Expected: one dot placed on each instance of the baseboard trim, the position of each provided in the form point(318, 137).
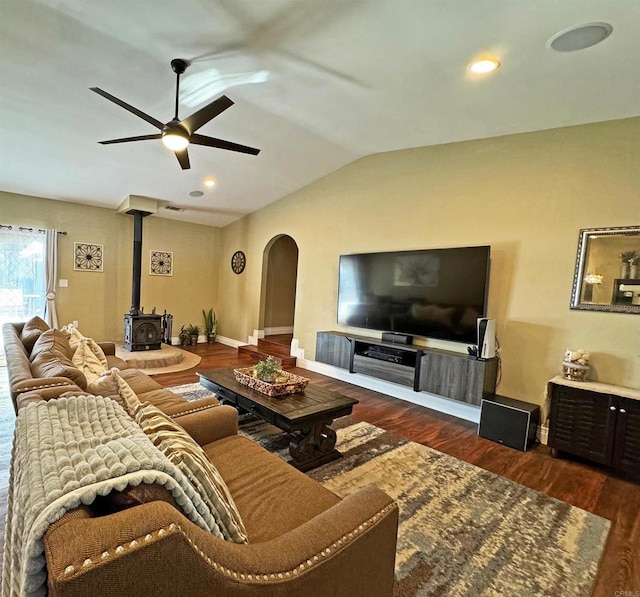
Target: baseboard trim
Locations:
point(542, 434)
point(229, 341)
point(467, 412)
point(296, 351)
point(257, 335)
point(288, 329)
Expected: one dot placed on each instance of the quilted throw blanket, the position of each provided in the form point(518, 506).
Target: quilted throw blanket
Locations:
point(65, 453)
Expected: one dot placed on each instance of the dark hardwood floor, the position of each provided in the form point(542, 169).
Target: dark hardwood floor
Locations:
point(578, 483)
point(581, 484)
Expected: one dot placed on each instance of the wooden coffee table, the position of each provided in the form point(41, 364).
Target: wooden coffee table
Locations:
point(306, 415)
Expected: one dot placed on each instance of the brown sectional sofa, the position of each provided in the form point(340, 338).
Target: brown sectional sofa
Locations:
point(51, 373)
point(303, 539)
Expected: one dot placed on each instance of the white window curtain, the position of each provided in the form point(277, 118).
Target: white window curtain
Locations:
point(51, 276)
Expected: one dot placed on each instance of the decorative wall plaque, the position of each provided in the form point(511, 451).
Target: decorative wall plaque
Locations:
point(238, 262)
point(161, 263)
point(88, 257)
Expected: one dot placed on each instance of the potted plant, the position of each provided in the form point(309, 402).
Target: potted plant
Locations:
point(183, 336)
point(194, 332)
point(267, 370)
point(210, 325)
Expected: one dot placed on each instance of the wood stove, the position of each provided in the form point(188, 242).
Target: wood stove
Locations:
point(141, 331)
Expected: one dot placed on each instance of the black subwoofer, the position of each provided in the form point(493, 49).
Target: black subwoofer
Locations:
point(508, 421)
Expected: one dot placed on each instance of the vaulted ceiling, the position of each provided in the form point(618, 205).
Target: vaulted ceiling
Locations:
point(316, 85)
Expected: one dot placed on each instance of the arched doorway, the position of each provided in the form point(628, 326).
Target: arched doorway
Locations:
point(279, 278)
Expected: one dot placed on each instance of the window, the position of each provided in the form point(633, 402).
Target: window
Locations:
point(22, 287)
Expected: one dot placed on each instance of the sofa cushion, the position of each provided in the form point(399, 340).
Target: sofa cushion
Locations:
point(31, 331)
point(258, 481)
point(171, 439)
point(140, 382)
point(50, 358)
point(168, 402)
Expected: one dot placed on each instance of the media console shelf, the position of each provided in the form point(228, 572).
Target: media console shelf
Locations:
point(443, 372)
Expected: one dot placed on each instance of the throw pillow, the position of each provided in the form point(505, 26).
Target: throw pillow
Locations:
point(31, 331)
point(87, 361)
point(172, 440)
point(73, 335)
point(111, 385)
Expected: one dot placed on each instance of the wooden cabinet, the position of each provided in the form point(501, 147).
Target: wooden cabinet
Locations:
point(597, 423)
point(626, 451)
point(445, 373)
point(333, 349)
point(457, 376)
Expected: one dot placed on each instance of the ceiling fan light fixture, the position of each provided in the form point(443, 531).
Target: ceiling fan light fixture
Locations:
point(175, 141)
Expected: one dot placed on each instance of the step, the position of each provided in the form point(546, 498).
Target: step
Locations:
point(274, 348)
point(259, 354)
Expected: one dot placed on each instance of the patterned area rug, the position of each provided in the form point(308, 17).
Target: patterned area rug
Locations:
point(463, 530)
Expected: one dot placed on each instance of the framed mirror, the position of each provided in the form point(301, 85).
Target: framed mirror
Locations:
point(607, 274)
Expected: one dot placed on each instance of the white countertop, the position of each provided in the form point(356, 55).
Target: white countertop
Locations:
point(594, 386)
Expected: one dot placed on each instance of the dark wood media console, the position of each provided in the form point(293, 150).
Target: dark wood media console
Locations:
point(443, 372)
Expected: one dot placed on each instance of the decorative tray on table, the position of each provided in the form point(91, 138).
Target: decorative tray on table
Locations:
point(285, 383)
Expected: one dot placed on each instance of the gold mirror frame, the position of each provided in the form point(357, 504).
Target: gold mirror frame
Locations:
point(606, 258)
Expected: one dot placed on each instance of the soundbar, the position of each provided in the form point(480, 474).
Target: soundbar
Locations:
point(396, 338)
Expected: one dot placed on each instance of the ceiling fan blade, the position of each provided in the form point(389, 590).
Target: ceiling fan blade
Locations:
point(222, 144)
point(183, 158)
point(127, 139)
point(209, 112)
point(119, 102)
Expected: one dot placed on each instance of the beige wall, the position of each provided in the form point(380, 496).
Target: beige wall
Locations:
point(526, 195)
point(99, 300)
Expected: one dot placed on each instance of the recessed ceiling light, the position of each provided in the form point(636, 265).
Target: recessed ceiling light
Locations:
point(486, 65)
point(196, 193)
point(209, 182)
point(580, 37)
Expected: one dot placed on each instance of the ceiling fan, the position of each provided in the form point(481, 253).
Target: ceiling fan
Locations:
point(177, 134)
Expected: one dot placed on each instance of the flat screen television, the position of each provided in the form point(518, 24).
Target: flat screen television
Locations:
point(435, 293)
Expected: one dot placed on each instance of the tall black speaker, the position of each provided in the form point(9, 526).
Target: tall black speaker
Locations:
point(508, 421)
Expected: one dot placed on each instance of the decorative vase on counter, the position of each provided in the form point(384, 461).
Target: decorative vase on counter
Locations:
point(575, 365)
point(575, 371)
point(633, 271)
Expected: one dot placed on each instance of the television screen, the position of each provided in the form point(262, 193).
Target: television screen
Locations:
point(435, 293)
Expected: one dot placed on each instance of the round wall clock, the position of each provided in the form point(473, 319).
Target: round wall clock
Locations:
point(238, 261)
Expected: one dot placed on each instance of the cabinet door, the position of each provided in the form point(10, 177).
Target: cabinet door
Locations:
point(626, 454)
point(333, 349)
point(583, 423)
point(455, 376)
